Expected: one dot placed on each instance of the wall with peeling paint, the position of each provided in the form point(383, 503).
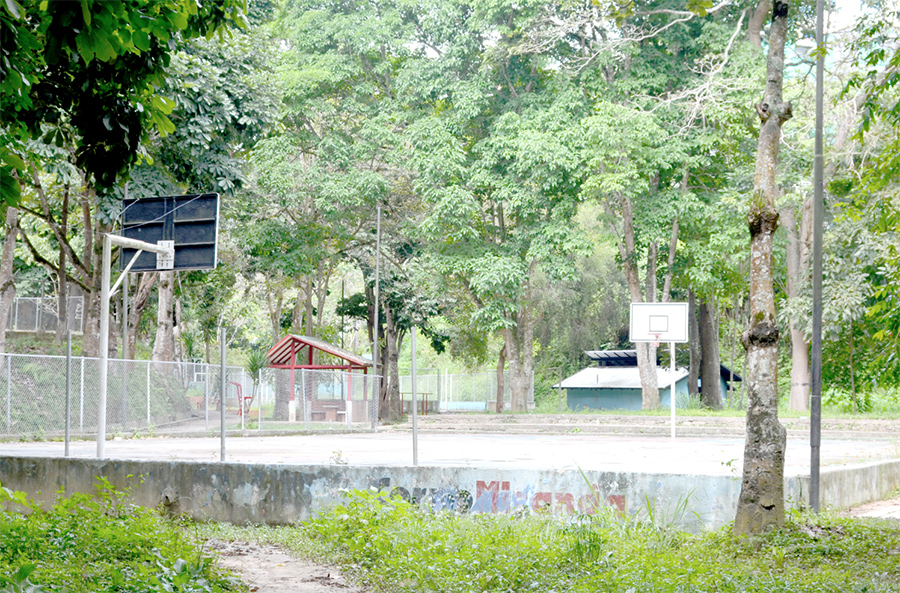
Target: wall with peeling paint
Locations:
point(278, 494)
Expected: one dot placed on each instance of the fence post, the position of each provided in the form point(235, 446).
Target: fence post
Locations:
point(8, 392)
point(348, 402)
point(124, 370)
point(206, 395)
point(81, 400)
point(68, 389)
point(222, 382)
point(303, 398)
point(148, 393)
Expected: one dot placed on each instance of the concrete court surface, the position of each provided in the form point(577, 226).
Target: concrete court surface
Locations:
point(688, 455)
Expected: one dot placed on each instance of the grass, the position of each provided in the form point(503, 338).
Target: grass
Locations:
point(391, 545)
point(86, 544)
point(101, 543)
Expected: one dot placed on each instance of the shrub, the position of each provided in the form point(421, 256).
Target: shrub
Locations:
point(87, 544)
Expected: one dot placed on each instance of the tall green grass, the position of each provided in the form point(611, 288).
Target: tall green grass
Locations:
point(87, 544)
point(390, 545)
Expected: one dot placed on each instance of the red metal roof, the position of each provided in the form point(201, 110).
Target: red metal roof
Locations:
point(284, 354)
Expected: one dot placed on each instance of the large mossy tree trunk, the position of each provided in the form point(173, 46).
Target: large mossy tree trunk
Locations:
point(761, 502)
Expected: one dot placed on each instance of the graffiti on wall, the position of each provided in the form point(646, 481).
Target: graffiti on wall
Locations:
point(497, 496)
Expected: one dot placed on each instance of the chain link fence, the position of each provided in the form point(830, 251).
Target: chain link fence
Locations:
point(313, 400)
point(169, 397)
point(40, 314)
point(466, 392)
point(141, 395)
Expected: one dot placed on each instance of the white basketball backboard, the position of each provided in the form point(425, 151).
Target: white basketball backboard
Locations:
point(658, 322)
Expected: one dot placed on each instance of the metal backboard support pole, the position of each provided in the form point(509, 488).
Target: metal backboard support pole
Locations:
point(223, 384)
point(414, 402)
point(68, 388)
point(672, 388)
point(815, 404)
point(105, 294)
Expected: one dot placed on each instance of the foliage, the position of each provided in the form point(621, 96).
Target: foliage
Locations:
point(87, 544)
point(391, 545)
point(877, 402)
point(98, 67)
point(878, 80)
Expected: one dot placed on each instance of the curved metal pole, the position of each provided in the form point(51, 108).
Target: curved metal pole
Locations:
point(105, 275)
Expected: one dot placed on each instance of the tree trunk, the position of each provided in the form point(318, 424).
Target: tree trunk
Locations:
point(283, 393)
point(761, 502)
point(178, 332)
point(501, 366)
point(757, 20)
point(710, 391)
point(694, 343)
point(91, 340)
point(62, 304)
point(670, 263)
point(90, 345)
point(391, 403)
point(7, 269)
point(797, 268)
point(138, 305)
point(518, 342)
point(646, 360)
point(274, 306)
point(853, 373)
point(164, 345)
point(734, 340)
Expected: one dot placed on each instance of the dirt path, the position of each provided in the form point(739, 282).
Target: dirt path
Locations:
point(267, 568)
point(880, 509)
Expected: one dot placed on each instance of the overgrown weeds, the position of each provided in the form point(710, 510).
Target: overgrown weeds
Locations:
point(88, 544)
point(390, 545)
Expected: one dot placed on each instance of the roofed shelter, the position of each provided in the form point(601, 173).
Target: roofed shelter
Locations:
point(295, 352)
point(615, 382)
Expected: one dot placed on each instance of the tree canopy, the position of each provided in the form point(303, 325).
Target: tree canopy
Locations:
point(89, 75)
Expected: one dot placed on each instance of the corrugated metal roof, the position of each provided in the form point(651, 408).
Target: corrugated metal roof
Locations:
point(616, 378)
point(613, 358)
point(280, 353)
point(610, 354)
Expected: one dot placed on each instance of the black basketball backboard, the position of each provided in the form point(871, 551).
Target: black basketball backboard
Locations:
point(191, 222)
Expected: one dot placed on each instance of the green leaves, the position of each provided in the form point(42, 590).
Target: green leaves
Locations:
point(88, 59)
point(83, 544)
point(14, 8)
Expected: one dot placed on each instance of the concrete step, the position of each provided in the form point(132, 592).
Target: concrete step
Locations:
point(639, 425)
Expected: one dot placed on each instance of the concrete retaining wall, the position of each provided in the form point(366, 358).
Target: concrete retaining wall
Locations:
point(280, 494)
